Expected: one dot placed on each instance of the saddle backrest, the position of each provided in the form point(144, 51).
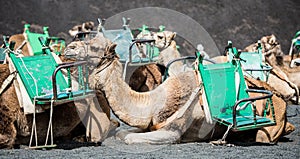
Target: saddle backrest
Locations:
point(123, 38)
point(33, 39)
point(224, 85)
point(252, 63)
point(226, 96)
point(36, 72)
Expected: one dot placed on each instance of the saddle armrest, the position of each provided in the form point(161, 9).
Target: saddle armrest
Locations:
point(269, 94)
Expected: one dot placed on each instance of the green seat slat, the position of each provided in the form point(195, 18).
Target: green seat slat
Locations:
point(64, 95)
point(245, 120)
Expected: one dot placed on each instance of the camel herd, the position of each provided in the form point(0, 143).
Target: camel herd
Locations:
point(160, 112)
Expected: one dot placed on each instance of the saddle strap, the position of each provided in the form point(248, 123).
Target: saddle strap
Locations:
point(8, 81)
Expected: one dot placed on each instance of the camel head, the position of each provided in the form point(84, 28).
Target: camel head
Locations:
point(271, 49)
point(164, 39)
point(89, 50)
point(108, 66)
point(84, 27)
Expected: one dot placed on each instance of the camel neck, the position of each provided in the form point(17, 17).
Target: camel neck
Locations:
point(132, 107)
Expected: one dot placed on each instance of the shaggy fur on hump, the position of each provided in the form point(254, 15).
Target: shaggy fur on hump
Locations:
point(12, 119)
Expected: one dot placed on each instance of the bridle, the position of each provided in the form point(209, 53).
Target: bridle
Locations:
point(106, 60)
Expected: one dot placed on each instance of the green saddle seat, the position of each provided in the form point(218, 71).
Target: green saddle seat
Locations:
point(227, 98)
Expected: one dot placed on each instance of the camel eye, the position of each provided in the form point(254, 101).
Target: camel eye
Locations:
point(72, 47)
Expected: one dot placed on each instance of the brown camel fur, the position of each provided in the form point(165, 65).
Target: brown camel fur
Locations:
point(13, 121)
point(84, 27)
point(282, 127)
point(149, 109)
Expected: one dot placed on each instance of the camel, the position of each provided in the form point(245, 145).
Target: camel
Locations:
point(283, 78)
point(171, 110)
point(277, 78)
point(65, 117)
point(148, 110)
point(172, 53)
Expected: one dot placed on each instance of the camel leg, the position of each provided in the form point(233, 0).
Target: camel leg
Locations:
point(96, 121)
point(123, 133)
point(154, 137)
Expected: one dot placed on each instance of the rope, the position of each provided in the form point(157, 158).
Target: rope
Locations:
point(50, 124)
point(226, 133)
point(33, 128)
point(7, 81)
point(222, 141)
point(22, 45)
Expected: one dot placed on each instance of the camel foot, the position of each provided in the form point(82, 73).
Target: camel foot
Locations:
point(288, 129)
point(221, 143)
point(154, 137)
point(123, 133)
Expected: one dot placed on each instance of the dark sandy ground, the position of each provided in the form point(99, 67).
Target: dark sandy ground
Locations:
point(288, 147)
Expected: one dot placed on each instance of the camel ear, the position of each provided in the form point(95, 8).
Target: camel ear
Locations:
point(110, 49)
point(173, 35)
point(272, 39)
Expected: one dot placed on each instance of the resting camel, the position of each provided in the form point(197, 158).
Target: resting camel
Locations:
point(15, 126)
point(282, 78)
point(171, 110)
point(282, 125)
point(278, 79)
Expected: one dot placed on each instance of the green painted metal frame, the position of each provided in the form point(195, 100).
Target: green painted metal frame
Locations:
point(2, 55)
point(225, 90)
point(5, 48)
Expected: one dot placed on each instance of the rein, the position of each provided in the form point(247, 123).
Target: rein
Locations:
point(107, 59)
